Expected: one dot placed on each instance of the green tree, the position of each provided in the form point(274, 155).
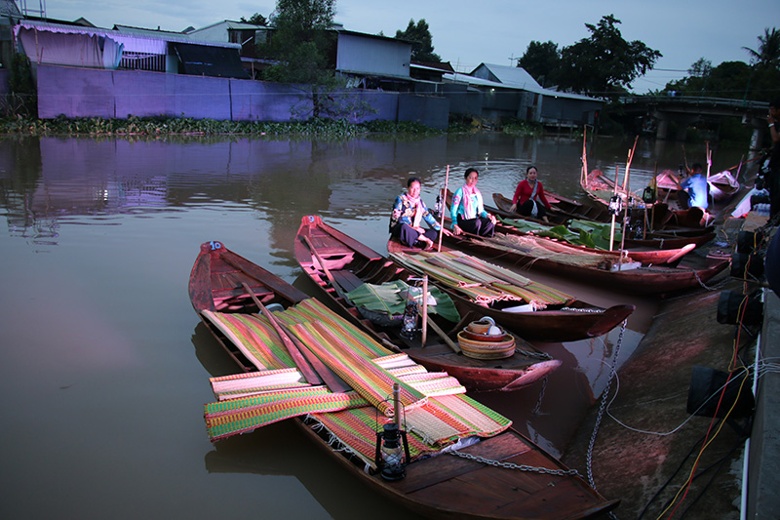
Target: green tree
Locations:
point(301, 43)
point(422, 41)
point(542, 61)
point(605, 64)
point(768, 53)
point(255, 19)
point(701, 68)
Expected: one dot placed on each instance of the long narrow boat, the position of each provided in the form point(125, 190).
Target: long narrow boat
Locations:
point(324, 252)
point(661, 219)
point(666, 238)
point(639, 253)
point(603, 269)
point(489, 471)
point(562, 209)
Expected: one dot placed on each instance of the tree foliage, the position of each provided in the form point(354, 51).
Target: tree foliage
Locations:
point(301, 42)
point(255, 19)
point(759, 81)
point(542, 61)
point(603, 64)
point(768, 53)
point(422, 41)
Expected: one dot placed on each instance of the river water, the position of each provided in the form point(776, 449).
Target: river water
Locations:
point(103, 364)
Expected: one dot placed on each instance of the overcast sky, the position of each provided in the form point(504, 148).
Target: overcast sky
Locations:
point(467, 33)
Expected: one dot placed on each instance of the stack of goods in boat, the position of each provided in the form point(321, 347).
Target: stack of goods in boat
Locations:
point(484, 340)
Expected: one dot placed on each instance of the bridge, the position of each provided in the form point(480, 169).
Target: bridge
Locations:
point(660, 111)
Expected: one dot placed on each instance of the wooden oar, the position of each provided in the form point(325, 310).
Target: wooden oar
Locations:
point(327, 272)
point(306, 369)
point(443, 335)
point(312, 368)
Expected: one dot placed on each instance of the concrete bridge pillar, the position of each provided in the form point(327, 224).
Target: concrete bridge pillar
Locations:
point(662, 131)
point(757, 136)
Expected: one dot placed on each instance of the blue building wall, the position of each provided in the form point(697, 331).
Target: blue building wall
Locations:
point(80, 92)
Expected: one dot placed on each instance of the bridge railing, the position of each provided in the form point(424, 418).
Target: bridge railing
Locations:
point(669, 99)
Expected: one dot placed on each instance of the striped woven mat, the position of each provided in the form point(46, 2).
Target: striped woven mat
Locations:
point(436, 411)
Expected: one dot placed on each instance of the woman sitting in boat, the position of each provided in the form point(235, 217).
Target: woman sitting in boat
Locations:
point(468, 209)
point(409, 212)
point(529, 199)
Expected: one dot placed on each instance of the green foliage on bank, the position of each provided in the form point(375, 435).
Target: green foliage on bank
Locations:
point(157, 126)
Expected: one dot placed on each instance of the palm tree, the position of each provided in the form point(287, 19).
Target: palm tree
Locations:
point(768, 53)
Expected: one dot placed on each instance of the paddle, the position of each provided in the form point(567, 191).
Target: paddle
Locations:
point(424, 303)
point(312, 368)
point(325, 269)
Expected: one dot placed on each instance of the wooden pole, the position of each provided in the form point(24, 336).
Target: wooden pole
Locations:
point(424, 309)
point(443, 209)
point(612, 225)
point(626, 190)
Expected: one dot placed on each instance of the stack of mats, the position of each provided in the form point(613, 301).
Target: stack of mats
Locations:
point(480, 281)
point(436, 410)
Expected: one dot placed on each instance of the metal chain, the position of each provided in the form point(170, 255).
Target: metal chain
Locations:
point(519, 467)
point(589, 310)
point(603, 407)
point(534, 355)
point(537, 409)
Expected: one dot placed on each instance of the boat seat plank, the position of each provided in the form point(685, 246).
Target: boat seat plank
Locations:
point(347, 280)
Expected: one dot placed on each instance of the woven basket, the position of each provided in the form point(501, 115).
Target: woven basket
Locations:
point(499, 347)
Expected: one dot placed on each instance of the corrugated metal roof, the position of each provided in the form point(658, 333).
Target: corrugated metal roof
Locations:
point(515, 78)
point(125, 32)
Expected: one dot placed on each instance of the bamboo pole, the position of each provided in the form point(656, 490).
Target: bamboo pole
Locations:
point(626, 190)
point(443, 208)
point(612, 225)
point(424, 310)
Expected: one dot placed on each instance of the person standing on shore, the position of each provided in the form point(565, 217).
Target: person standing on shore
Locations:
point(694, 189)
point(529, 199)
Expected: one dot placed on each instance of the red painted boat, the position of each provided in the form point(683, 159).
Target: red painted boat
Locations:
point(529, 252)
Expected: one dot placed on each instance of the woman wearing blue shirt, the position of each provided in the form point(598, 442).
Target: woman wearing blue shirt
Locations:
point(468, 209)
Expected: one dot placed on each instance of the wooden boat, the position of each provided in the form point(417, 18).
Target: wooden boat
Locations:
point(562, 209)
point(600, 268)
point(569, 319)
point(441, 350)
point(723, 186)
point(662, 220)
point(491, 472)
point(643, 254)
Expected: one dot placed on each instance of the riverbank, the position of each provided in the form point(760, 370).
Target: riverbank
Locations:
point(648, 444)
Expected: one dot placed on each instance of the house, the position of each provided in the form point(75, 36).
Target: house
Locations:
point(244, 34)
point(126, 48)
point(500, 92)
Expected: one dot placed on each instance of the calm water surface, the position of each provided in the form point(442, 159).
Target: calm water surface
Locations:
point(103, 364)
